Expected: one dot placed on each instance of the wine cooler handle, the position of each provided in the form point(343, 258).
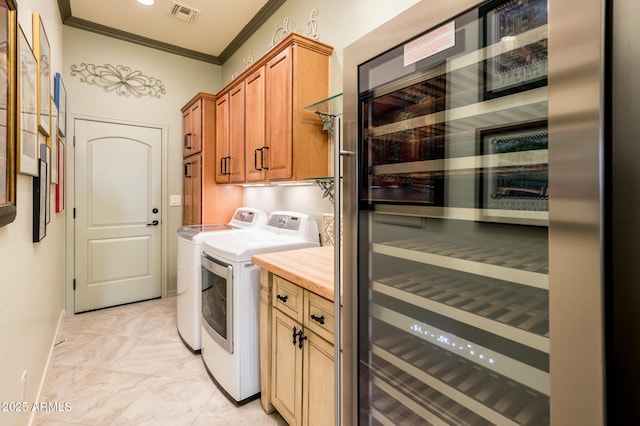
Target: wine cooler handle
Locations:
point(338, 152)
point(282, 298)
point(319, 319)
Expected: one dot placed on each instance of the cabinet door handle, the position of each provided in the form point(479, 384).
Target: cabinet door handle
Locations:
point(222, 166)
point(262, 161)
point(295, 334)
point(319, 319)
point(255, 158)
point(186, 171)
point(187, 139)
point(301, 338)
point(282, 298)
point(226, 165)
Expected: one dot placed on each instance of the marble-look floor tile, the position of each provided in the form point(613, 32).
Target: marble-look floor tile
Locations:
point(168, 401)
point(221, 412)
point(94, 396)
point(158, 358)
point(127, 365)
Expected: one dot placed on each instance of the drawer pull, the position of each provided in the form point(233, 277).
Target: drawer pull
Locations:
point(282, 298)
point(319, 319)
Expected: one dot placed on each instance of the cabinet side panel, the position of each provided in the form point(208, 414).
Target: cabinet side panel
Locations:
point(310, 142)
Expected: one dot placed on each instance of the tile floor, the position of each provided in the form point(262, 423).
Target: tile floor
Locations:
point(127, 366)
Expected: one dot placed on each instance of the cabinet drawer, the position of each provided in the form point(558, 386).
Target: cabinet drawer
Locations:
point(319, 316)
point(288, 298)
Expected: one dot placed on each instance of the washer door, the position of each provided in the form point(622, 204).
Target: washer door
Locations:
point(217, 301)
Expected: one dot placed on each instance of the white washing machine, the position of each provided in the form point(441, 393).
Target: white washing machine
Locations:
point(189, 269)
point(231, 298)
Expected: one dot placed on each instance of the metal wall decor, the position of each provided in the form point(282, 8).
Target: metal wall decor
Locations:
point(247, 62)
point(119, 79)
point(287, 28)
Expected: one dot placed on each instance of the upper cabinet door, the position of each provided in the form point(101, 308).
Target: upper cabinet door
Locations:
point(234, 163)
point(278, 154)
point(255, 126)
point(192, 130)
point(222, 137)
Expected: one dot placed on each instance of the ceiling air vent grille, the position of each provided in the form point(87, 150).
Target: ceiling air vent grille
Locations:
point(183, 12)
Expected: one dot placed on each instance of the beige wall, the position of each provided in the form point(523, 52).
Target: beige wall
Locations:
point(31, 275)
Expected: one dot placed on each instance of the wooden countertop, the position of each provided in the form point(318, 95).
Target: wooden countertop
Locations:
point(310, 268)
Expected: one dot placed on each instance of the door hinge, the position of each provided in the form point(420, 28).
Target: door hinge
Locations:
point(74, 212)
point(74, 284)
point(74, 141)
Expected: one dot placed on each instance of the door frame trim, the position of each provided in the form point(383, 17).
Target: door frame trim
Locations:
point(69, 301)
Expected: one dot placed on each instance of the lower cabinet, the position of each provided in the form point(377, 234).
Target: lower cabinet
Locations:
point(302, 355)
point(318, 378)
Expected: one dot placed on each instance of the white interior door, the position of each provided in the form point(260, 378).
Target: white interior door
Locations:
point(118, 214)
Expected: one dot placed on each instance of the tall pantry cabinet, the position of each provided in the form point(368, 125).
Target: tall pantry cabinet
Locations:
point(203, 200)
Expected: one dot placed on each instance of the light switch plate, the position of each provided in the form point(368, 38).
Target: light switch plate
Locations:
point(175, 200)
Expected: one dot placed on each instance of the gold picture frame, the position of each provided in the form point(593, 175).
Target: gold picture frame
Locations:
point(8, 106)
point(27, 137)
point(42, 52)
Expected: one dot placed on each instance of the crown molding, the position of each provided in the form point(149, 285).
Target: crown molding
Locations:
point(254, 25)
point(256, 22)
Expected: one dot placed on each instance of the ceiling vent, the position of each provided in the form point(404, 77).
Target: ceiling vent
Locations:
point(183, 12)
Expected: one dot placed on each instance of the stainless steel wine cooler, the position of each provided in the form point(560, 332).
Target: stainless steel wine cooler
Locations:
point(473, 216)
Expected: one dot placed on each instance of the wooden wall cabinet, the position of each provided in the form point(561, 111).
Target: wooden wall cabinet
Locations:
point(203, 200)
point(302, 355)
point(191, 190)
point(192, 128)
point(281, 139)
point(255, 128)
point(230, 135)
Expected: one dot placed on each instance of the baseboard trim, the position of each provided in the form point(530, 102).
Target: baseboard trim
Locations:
point(47, 367)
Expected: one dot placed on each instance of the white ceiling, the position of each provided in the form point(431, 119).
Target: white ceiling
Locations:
point(219, 29)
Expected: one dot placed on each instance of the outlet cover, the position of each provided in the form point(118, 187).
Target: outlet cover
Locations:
point(175, 200)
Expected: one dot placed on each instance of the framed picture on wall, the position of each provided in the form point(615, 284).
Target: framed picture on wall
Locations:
point(8, 107)
point(60, 99)
point(40, 186)
point(42, 51)
point(45, 154)
point(516, 46)
point(514, 183)
point(52, 141)
point(27, 109)
point(61, 177)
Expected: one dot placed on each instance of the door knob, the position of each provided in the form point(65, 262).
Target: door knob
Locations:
point(153, 223)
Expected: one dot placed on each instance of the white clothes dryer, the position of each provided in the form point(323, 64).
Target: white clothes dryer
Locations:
point(189, 284)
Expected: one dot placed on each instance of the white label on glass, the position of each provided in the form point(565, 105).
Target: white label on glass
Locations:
point(431, 43)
